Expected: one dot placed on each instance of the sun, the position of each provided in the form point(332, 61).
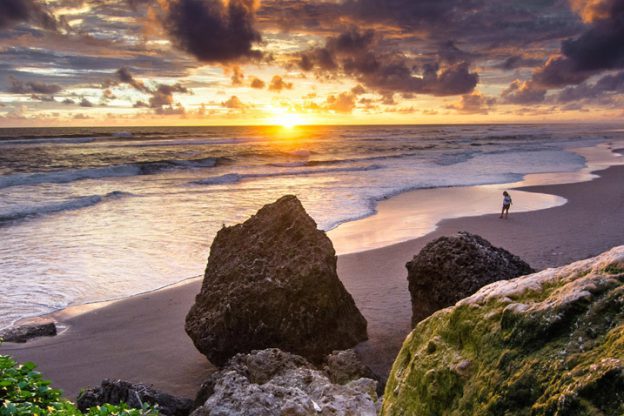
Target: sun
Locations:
point(288, 120)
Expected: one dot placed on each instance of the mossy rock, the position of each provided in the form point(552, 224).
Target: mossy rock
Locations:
point(550, 343)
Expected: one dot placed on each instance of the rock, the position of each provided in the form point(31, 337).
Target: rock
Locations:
point(272, 382)
point(24, 333)
point(272, 282)
point(134, 395)
point(550, 343)
point(344, 366)
point(451, 268)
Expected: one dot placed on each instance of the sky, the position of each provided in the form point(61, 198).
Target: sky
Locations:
point(248, 62)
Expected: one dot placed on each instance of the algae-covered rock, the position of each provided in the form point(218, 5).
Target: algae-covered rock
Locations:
point(450, 268)
point(550, 343)
point(271, 282)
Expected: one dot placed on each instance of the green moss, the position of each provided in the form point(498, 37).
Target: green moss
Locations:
point(564, 360)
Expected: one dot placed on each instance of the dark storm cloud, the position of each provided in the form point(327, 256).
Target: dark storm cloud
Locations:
point(599, 48)
point(357, 53)
point(18, 87)
point(213, 30)
point(16, 11)
point(602, 45)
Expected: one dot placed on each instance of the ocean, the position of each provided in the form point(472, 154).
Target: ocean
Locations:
point(94, 214)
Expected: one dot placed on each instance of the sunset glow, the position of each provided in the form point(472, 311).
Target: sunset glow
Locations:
point(287, 62)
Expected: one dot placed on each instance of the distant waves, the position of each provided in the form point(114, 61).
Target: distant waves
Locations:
point(25, 212)
point(115, 171)
point(237, 177)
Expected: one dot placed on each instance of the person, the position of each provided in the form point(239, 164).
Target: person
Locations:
point(506, 204)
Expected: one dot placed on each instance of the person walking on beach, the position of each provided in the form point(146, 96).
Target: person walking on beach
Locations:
point(506, 204)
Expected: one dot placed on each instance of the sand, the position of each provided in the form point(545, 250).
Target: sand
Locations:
point(142, 338)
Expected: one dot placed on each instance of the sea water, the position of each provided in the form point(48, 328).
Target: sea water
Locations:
point(96, 214)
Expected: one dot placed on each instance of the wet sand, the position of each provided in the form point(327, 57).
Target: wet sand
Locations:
point(142, 338)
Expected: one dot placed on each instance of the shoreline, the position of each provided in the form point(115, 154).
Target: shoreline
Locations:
point(389, 216)
point(141, 338)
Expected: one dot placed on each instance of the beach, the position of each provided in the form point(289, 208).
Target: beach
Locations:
point(142, 338)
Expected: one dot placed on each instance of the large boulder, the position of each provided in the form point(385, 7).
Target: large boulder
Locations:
point(272, 282)
point(276, 383)
point(451, 268)
point(550, 343)
point(134, 395)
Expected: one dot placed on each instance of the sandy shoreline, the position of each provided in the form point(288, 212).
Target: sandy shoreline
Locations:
point(142, 338)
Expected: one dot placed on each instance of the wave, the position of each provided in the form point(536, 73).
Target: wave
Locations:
point(47, 140)
point(115, 171)
point(69, 205)
point(238, 177)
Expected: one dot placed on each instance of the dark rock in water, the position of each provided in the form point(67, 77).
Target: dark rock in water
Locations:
point(451, 268)
point(134, 395)
point(26, 332)
point(276, 383)
point(272, 282)
point(549, 343)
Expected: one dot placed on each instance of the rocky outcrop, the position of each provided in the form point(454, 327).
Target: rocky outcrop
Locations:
point(24, 333)
point(451, 268)
point(134, 395)
point(272, 282)
point(343, 366)
point(272, 382)
point(550, 343)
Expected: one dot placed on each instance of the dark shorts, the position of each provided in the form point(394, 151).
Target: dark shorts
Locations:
point(506, 206)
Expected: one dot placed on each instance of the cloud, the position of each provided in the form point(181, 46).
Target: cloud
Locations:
point(278, 84)
point(161, 99)
point(519, 61)
point(599, 48)
point(126, 77)
point(523, 92)
point(213, 30)
point(608, 84)
point(358, 90)
point(86, 103)
point(18, 87)
point(475, 103)
point(343, 103)
point(237, 76)
point(16, 11)
point(234, 103)
point(257, 83)
point(356, 54)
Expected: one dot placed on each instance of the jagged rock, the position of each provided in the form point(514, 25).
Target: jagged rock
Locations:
point(26, 332)
point(272, 382)
point(550, 343)
point(272, 282)
point(344, 366)
point(135, 395)
point(451, 268)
